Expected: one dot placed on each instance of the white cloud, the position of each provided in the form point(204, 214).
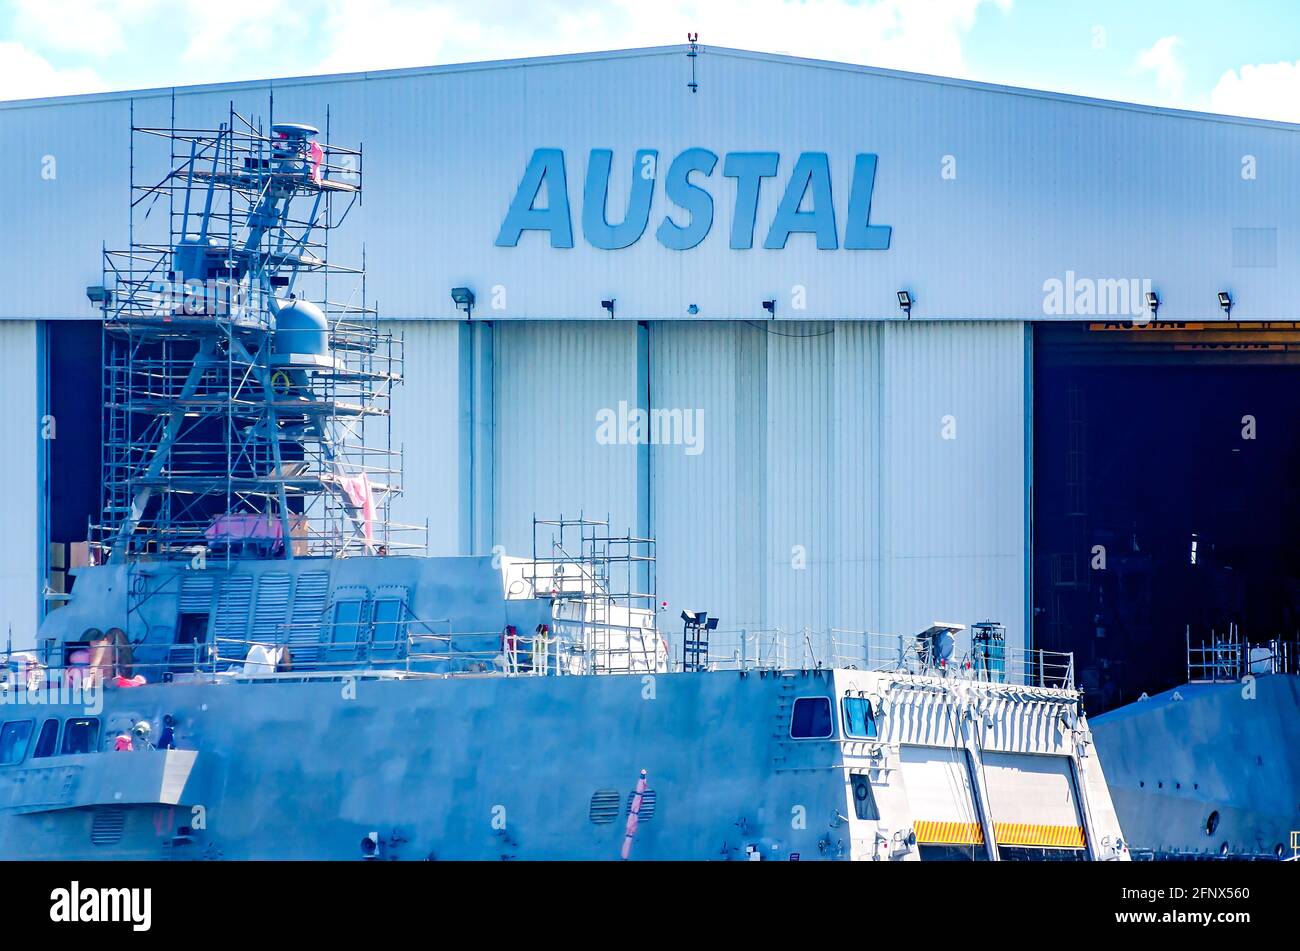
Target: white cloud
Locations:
point(1263, 91)
point(919, 35)
point(1161, 58)
point(189, 41)
point(361, 35)
point(27, 75)
point(80, 26)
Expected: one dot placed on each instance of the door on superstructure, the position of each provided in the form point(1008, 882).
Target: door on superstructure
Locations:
point(941, 796)
point(347, 635)
point(1035, 807)
point(388, 618)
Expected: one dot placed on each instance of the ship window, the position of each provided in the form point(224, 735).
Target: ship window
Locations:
point(13, 741)
point(864, 803)
point(48, 741)
point(81, 736)
point(811, 718)
point(859, 718)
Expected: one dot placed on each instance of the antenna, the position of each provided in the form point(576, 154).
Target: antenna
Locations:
point(692, 54)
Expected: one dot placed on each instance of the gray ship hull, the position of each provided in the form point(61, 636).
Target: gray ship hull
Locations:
point(1208, 770)
point(494, 768)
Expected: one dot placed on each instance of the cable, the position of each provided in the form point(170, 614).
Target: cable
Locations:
point(777, 333)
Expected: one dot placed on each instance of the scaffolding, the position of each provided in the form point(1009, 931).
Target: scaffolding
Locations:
point(605, 589)
point(247, 381)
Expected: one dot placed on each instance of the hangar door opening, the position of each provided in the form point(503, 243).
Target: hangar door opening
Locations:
point(1166, 458)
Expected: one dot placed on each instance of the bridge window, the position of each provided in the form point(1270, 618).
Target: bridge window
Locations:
point(48, 742)
point(811, 718)
point(859, 718)
point(81, 736)
point(13, 741)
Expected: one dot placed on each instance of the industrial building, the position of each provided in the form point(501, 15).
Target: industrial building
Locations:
point(860, 349)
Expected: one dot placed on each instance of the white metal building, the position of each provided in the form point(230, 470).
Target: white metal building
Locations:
point(852, 466)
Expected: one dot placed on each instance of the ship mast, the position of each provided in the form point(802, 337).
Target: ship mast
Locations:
point(245, 410)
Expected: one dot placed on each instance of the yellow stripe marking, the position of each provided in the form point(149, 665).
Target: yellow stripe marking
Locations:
point(929, 832)
point(1041, 836)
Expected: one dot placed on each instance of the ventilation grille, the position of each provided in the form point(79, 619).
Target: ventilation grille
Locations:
point(231, 619)
point(196, 594)
point(106, 829)
point(647, 804)
point(604, 806)
point(309, 599)
point(272, 608)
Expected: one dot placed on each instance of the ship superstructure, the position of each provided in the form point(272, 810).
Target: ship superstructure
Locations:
point(249, 669)
point(245, 375)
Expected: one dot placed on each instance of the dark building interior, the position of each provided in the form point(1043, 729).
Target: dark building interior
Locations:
point(1165, 461)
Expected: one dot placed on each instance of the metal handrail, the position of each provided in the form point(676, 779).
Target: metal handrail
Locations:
point(423, 647)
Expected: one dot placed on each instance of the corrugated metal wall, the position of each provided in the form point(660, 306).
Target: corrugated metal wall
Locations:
point(861, 476)
point(21, 560)
point(426, 428)
point(551, 381)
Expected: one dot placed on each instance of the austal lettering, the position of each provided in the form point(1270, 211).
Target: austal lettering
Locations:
point(806, 205)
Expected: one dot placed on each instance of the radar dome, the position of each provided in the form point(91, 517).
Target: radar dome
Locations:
point(300, 327)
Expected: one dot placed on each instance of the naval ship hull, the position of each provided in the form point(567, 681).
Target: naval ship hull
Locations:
point(490, 767)
point(1209, 770)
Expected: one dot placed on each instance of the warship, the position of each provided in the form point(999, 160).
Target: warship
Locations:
point(257, 661)
point(1208, 770)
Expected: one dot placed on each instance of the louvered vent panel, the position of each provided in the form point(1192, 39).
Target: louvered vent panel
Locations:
point(196, 593)
point(231, 618)
point(309, 599)
point(106, 828)
point(604, 806)
point(272, 608)
point(647, 804)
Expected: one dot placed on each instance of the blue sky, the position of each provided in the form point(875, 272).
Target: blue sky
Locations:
point(1240, 57)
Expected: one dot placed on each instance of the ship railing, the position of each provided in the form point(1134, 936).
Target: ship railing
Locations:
point(539, 654)
point(1227, 657)
point(423, 647)
point(983, 662)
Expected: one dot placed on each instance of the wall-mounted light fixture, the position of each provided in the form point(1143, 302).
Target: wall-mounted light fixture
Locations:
point(1225, 302)
point(770, 307)
point(1153, 304)
point(905, 302)
point(464, 300)
point(608, 305)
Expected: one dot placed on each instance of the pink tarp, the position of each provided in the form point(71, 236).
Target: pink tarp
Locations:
point(244, 526)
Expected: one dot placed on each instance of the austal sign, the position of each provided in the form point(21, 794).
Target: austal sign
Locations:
point(810, 180)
